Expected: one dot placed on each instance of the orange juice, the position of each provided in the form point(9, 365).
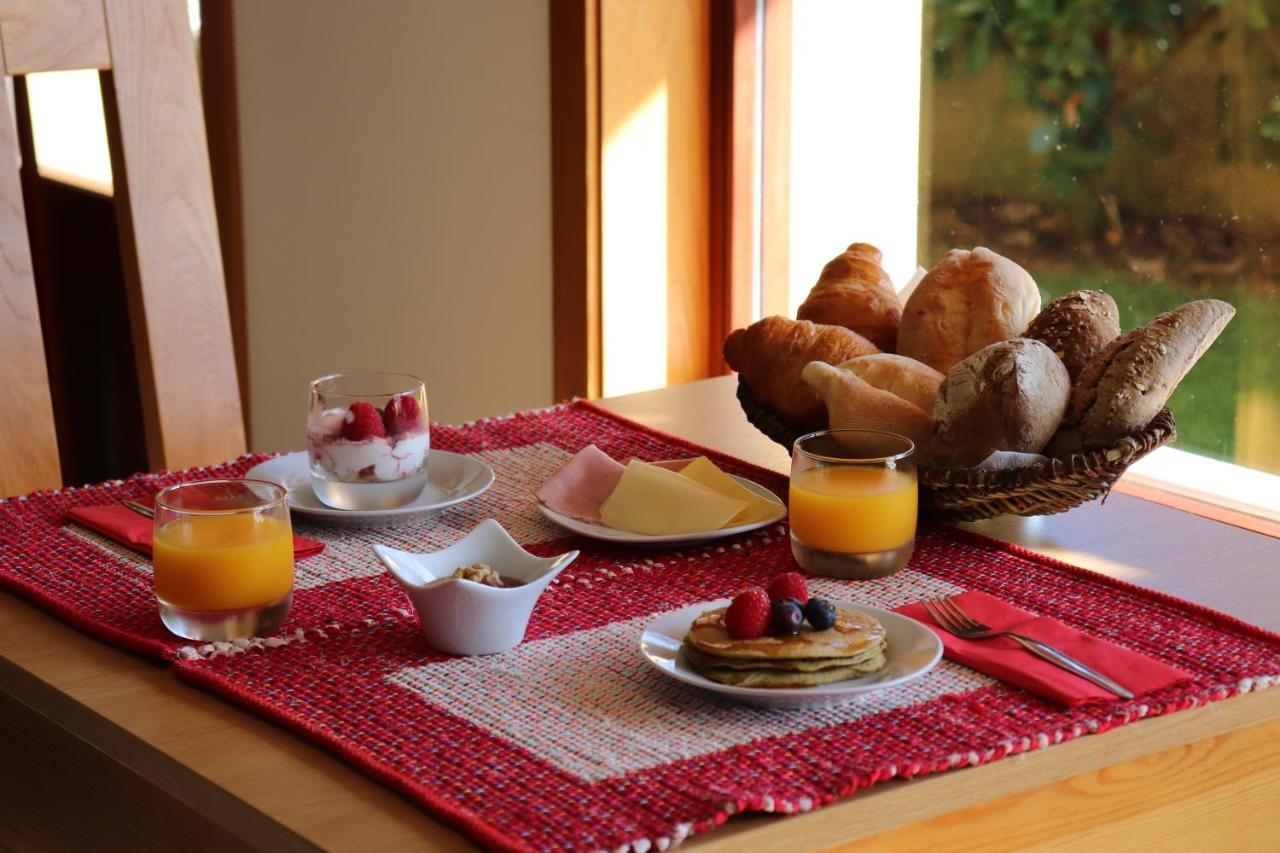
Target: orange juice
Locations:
point(223, 562)
point(853, 509)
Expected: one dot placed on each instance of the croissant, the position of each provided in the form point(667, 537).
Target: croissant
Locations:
point(855, 292)
point(770, 353)
point(853, 403)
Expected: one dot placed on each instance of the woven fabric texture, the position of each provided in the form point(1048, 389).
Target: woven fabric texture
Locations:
point(570, 741)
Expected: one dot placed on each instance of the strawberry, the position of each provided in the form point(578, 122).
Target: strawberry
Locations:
point(748, 615)
point(363, 421)
point(402, 415)
point(789, 585)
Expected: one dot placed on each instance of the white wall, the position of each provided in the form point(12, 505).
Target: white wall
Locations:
point(397, 201)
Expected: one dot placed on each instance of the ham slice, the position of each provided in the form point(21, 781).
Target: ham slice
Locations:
point(581, 486)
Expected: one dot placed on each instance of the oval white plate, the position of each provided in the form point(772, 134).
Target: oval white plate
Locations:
point(624, 537)
point(913, 650)
point(451, 479)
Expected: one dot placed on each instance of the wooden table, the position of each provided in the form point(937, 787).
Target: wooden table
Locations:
point(99, 748)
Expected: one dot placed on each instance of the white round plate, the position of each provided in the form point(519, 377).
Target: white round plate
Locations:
point(623, 537)
point(451, 479)
point(913, 650)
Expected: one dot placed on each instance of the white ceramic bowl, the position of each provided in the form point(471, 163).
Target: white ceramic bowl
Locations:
point(462, 617)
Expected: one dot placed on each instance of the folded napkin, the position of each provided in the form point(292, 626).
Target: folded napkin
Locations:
point(133, 530)
point(1004, 659)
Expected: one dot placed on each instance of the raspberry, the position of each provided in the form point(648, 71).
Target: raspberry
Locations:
point(363, 421)
point(748, 615)
point(789, 585)
point(402, 415)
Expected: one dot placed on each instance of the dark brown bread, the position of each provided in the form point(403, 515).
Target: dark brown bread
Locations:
point(1077, 326)
point(770, 353)
point(1126, 384)
point(1009, 395)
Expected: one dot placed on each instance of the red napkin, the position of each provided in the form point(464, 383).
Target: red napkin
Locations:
point(1004, 659)
point(133, 530)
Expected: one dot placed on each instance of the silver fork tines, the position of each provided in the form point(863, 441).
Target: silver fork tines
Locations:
point(952, 618)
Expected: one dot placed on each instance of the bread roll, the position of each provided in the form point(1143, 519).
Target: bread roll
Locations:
point(854, 404)
point(969, 300)
point(1126, 384)
point(1009, 395)
point(1077, 326)
point(854, 291)
point(770, 353)
point(913, 381)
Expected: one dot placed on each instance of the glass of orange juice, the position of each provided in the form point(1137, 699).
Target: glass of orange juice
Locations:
point(853, 503)
point(223, 558)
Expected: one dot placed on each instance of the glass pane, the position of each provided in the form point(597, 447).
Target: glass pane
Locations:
point(1128, 147)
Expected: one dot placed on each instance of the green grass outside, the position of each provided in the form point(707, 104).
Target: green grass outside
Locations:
point(1245, 359)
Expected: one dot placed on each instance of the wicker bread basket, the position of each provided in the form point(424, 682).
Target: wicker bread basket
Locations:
point(970, 494)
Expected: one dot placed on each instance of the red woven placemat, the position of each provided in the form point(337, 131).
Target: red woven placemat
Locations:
point(571, 741)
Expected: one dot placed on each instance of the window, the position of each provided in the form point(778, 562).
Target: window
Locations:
point(1133, 148)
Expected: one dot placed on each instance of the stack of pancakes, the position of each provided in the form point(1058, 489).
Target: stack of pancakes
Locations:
point(853, 647)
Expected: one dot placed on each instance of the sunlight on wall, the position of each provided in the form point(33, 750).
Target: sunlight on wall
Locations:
point(634, 248)
point(855, 134)
point(69, 130)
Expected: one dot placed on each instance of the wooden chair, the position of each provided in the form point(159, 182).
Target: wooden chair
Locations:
point(168, 232)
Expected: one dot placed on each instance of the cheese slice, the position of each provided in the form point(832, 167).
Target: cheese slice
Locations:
point(658, 502)
point(703, 470)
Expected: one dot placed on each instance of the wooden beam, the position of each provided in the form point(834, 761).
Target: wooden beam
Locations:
point(222, 129)
point(169, 236)
point(575, 189)
point(52, 35)
point(734, 177)
point(775, 228)
point(28, 447)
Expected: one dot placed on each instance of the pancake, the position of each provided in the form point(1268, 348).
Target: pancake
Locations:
point(777, 678)
point(702, 660)
point(853, 634)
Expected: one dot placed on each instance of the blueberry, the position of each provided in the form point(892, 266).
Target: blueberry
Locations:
point(820, 613)
point(787, 617)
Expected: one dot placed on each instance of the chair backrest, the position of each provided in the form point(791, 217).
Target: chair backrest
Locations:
point(168, 233)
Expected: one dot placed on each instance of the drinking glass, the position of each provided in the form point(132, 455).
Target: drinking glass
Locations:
point(367, 440)
point(223, 558)
point(853, 503)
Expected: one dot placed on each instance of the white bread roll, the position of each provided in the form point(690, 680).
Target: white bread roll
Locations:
point(1006, 396)
point(854, 404)
point(969, 300)
point(913, 381)
point(1127, 384)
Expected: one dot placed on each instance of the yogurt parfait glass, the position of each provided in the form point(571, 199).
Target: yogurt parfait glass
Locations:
point(367, 439)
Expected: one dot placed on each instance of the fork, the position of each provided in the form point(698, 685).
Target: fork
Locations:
point(948, 614)
point(140, 509)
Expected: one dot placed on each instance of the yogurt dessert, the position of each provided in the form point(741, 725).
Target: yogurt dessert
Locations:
point(368, 439)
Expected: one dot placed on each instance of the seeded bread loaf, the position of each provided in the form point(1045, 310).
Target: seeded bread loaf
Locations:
point(1126, 384)
point(1009, 395)
point(1077, 326)
point(969, 300)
